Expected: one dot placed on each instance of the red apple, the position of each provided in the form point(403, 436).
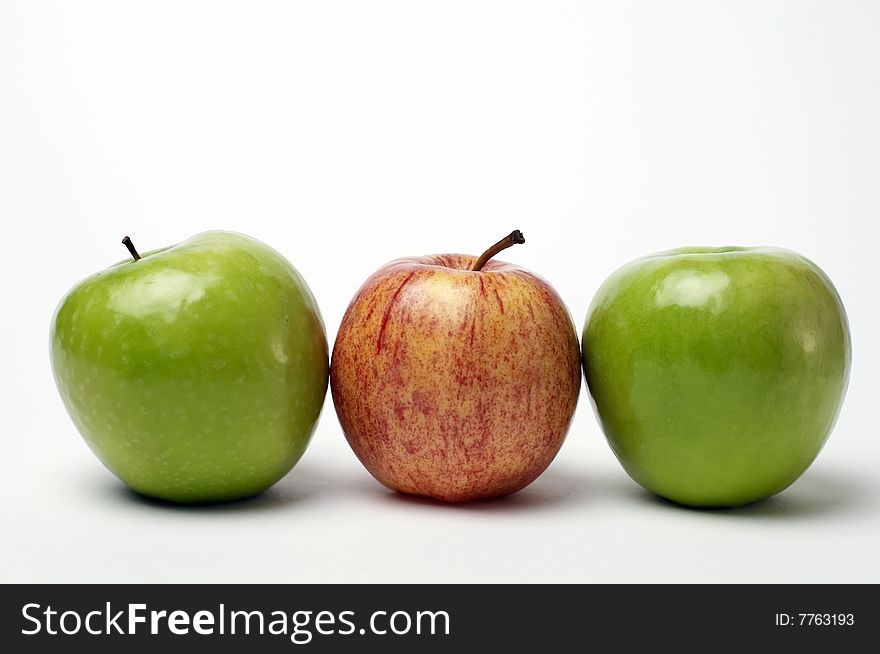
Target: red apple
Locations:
point(456, 377)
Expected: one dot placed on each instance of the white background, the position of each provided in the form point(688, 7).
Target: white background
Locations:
point(346, 134)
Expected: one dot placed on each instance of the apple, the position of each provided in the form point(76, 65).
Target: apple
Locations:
point(717, 373)
point(196, 373)
point(456, 377)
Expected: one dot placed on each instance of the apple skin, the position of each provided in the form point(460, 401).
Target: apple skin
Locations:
point(454, 384)
point(717, 373)
point(196, 374)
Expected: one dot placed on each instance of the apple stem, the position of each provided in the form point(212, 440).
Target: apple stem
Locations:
point(514, 238)
point(134, 253)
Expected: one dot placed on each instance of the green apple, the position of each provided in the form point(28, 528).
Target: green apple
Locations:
point(717, 373)
point(196, 373)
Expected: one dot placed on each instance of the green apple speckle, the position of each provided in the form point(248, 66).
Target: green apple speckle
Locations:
point(197, 373)
point(717, 374)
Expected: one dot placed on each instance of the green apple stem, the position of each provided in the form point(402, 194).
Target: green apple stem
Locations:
point(134, 253)
point(514, 238)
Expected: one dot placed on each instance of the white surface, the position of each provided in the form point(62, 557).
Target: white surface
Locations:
point(346, 134)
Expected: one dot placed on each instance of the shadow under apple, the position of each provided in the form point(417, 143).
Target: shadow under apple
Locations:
point(818, 493)
point(299, 484)
point(558, 486)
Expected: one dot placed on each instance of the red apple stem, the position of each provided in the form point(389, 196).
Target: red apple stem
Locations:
point(134, 253)
point(514, 238)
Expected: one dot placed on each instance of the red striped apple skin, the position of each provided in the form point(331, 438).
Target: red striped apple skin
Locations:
point(455, 384)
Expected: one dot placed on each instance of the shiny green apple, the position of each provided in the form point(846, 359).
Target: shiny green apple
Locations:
point(196, 373)
point(717, 373)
